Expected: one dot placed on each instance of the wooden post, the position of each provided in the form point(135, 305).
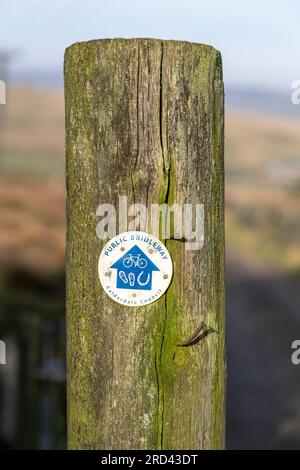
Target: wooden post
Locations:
point(144, 118)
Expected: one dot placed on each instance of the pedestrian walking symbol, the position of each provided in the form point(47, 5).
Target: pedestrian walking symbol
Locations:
point(134, 270)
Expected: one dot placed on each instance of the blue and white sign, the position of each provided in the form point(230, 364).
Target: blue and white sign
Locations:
point(135, 268)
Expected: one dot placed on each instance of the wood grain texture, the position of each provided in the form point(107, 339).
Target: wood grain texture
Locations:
point(144, 118)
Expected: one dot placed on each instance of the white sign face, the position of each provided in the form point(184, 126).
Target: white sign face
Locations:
point(135, 268)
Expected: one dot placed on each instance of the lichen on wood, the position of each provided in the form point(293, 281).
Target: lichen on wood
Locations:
point(144, 118)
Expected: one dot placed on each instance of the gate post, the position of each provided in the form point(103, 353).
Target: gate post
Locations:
point(144, 119)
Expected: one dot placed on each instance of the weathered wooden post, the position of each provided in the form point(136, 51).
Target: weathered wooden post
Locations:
point(144, 118)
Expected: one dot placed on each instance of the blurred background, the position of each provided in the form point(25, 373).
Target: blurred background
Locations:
point(260, 45)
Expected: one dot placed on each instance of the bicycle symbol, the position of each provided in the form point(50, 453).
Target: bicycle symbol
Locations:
point(134, 260)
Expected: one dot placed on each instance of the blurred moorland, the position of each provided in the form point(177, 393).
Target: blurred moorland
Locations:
point(263, 266)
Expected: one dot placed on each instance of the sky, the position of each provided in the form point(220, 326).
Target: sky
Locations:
point(259, 40)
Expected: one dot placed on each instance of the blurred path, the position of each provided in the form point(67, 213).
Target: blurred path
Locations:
point(263, 394)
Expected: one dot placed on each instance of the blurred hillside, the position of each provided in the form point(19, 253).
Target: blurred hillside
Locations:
point(262, 183)
point(32, 181)
point(263, 262)
point(263, 187)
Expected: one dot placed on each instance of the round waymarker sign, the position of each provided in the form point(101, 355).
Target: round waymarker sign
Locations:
point(135, 268)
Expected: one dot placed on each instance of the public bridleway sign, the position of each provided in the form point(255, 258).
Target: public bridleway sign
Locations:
point(135, 268)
